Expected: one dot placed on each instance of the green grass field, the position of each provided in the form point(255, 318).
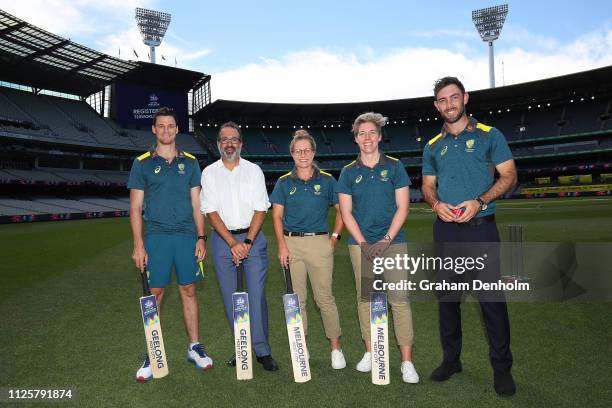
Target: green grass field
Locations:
point(70, 318)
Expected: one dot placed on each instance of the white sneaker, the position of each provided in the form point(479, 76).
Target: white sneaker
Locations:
point(365, 365)
point(337, 359)
point(197, 355)
point(409, 374)
point(144, 373)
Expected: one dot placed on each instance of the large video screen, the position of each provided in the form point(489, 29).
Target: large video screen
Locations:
point(135, 105)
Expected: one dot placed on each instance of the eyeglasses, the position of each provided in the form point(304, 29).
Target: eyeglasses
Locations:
point(371, 133)
point(305, 152)
point(232, 140)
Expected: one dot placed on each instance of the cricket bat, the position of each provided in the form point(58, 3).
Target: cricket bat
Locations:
point(379, 338)
point(242, 328)
point(153, 331)
point(295, 331)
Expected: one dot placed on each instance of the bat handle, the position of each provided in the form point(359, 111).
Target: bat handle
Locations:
point(145, 283)
point(288, 278)
point(240, 277)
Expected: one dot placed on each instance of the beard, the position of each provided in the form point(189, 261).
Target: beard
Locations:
point(453, 119)
point(229, 156)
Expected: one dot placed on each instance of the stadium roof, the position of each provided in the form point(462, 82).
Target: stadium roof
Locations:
point(34, 57)
point(156, 75)
point(587, 83)
point(40, 59)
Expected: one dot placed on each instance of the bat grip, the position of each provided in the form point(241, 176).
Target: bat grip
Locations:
point(145, 284)
point(288, 279)
point(240, 277)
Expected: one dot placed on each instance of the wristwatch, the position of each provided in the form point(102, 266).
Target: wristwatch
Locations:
point(337, 236)
point(387, 237)
point(483, 205)
point(204, 237)
point(248, 241)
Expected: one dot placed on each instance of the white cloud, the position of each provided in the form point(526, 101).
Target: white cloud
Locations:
point(320, 76)
point(92, 20)
point(70, 18)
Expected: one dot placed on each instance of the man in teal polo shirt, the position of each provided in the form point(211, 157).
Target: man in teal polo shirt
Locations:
point(459, 185)
point(374, 200)
point(164, 188)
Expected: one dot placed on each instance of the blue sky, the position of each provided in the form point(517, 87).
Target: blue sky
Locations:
point(339, 51)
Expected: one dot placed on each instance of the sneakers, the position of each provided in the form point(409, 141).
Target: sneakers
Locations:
point(337, 360)
point(144, 373)
point(504, 384)
point(197, 355)
point(409, 374)
point(365, 365)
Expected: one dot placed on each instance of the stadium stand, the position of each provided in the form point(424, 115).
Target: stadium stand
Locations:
point(59, 154)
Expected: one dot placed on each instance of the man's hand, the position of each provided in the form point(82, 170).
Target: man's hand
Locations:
point(200, 250)
point(140, 257)
point(248, 249)
point(284, 256)
point(239, 251)
point(472, 207)
point(378, 248)
point(445, 211)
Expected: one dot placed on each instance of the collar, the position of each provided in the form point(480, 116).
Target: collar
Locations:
point(381, 161)
point(471, 127)
point(315, 174)
point(180, 153)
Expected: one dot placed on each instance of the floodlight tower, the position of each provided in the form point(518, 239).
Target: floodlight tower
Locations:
point(152, 25)
point(489, 22)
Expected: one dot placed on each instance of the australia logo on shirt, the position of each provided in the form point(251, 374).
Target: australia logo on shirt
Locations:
point(157, 169)
point(293, 190)
point(383, 175)
point(358, 179)
point(181, 168)
point(469, 146)
point(444, 150)
point(317, 189)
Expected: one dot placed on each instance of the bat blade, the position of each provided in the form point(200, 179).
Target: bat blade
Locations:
point(242, 336)
point(379, 337)
point(297, 340)
point(153, 335)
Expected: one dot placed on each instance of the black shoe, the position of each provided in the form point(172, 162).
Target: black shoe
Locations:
point(232, 361)
point(268, 363)
point(504, 384)
point(445, 371)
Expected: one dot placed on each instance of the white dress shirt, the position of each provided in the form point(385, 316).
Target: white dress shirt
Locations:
point(235, 195)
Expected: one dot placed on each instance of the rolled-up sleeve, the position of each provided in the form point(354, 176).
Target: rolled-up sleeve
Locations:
point(208, 203)
point(261, 201)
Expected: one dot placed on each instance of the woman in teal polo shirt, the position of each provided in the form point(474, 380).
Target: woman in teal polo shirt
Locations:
point(301, 199)
point(374, 198)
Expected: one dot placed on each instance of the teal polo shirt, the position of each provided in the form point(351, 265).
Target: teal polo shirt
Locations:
point(465, 165)
point(305, 203)
point(373, 195)
point(167, 191)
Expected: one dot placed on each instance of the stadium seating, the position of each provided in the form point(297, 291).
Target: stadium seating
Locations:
point(13, 206)
point(56, 119)
point(583, 116)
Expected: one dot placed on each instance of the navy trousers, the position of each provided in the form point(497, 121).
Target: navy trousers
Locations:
point(256, 271)
point(495, 313)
